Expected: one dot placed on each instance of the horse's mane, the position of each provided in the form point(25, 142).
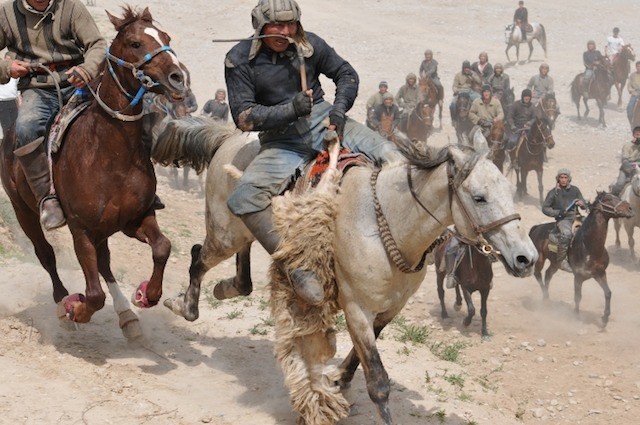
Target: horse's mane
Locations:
point(130, 14)
point(423, 159)
point(190, 141)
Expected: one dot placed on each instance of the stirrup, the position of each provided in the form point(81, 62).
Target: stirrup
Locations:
point(51, 215)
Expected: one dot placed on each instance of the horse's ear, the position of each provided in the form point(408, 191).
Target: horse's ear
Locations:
point(117, 22)
point(458, 155)
point(146, 15)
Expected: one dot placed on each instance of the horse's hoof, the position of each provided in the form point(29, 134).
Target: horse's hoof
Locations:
point(457, 307)
point(139, 297)
point(130, 325)
point(65, 309)
point(466, 321)
point(225, 290)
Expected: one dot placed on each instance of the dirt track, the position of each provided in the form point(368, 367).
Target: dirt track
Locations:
point(542, 365)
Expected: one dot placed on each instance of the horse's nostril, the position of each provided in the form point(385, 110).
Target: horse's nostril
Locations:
point(523, 260)
point(176, 77)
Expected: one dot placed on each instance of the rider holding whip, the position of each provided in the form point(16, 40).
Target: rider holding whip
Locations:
point(264, 82)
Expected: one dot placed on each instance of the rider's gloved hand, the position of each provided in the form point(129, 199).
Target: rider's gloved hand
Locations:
point(302, 103)
point(338, 119)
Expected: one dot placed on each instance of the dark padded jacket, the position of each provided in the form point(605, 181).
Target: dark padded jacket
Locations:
point(521, 114)
point(559, 199)
point(261, 90)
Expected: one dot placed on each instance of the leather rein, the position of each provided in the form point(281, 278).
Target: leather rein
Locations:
point(454, 182)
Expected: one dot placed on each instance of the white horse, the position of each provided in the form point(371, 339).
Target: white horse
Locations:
point(631, 194)
point(417, 199)
point(513, 37)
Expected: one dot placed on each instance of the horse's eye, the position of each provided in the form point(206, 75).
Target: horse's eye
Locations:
point(136, 45)
point(480, 199)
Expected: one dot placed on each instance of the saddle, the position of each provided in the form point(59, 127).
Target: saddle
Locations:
point(554, 234)
point(67, 115)
point(310, 176)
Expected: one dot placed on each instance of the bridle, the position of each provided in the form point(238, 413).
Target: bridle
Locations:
point(146, 83)
point(455, 180)
point(606, 208)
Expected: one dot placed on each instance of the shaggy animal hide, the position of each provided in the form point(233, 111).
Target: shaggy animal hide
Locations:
point(305, 339)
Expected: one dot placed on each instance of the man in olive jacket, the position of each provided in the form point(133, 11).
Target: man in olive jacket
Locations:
point(62, 36)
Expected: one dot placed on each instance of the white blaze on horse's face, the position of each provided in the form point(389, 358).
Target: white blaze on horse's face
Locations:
point(152, 32)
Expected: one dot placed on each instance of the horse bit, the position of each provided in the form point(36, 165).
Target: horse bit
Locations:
point(454, 182)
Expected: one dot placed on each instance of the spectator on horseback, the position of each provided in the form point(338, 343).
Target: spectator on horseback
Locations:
point(614, 45)
point(407, 96)
point(464, 83)
point(263, 79)
point(520, 118)
point(521, 19)
point(541, 84)
point(634, 90)
point(375, 100)
point(482, 67)
point(500, 83)
point(558, 204)
point(63, 37)
point(217, 107)
point(629, 161)
point(486, 110)
point(386, 116)
point(429, 67)
point(591, 58)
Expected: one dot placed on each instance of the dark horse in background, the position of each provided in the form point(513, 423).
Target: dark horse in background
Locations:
point(598, 89)
point(497, 143)
point(419, 124)
point(103, 174)
point(547, 107)
point(473, 272)
point(587, 254)
point(621, 69)
point(530, 152)
point(461, 121)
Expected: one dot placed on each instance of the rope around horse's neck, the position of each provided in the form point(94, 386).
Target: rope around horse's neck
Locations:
point(389, 243)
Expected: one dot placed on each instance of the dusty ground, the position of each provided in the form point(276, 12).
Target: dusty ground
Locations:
point(542, 365)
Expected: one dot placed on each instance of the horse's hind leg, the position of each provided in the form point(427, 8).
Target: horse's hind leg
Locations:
point(530, 43)
point(127, 319)
point(149, 292)
point(540, 187)
point(30, 224)
point(577, 293)
point(484, 295)
point(440, 282)
point(241, 283)
point(602, 280)
point(364, 342)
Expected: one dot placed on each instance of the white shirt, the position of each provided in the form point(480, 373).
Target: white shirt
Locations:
point(10, 90)
point(614, 44)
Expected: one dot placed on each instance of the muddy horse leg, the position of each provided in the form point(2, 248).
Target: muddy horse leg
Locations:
point(127, 319)
point(149, 292)
point(30, 224)
point(602, 280)
point(484, 295)
point(364, 342)
point(471, 310)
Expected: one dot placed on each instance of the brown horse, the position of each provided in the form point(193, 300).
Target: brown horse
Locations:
point(621, 69)
point(599, 89)
point(547, 107)
point(473, 273)
point(587, 254)
point(497, 144)
point(420, 121)
point(529, 155)
point(461, 121)
point(102, 172)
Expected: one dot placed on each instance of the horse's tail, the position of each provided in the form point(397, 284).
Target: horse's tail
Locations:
point(543, 39)
point(190, 141)
point(575, 89)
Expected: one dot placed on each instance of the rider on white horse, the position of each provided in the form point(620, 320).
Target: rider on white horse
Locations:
point(521, 19)
point(630, 155)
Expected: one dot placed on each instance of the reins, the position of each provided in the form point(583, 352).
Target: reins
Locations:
point(454, 182)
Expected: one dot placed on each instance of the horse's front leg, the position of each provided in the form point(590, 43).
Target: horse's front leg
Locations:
point(506, 51)
point(530, 43)
point(440, 283)
point(619, 89)
point(586, 107)
point(364, 343)
point(551, 270)
point(127, 319)
point(77, 307)
point(632, 243)
point(149, 292)
point(471, 310)
point(540, 187)
point(616, 227)
point(602, 280)
point(484, 295)
point(577, 293)
point(601, 116)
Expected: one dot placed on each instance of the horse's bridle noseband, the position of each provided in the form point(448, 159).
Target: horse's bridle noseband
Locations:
point(454, 182)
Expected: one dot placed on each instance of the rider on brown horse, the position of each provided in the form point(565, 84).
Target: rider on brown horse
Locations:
point(262, 98)
point(614, 45)
point(520, 118)
point(375, 100)
point(429, 67)
point(70, 46)
point(407, 96)
point(630, 155)
point(386, 117)
point(591, 58)
point(559, 204)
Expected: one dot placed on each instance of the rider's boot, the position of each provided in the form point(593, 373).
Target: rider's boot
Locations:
point(305, 283)
point(563, 246)
point(35, 165)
